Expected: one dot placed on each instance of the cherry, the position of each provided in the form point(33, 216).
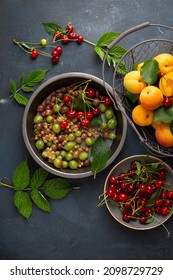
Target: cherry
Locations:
point(170, 194)
point(59, 49)
point(115, 197)
point(66, 98)
point(80, 115)
point(113, 179)
point(142, 219)
point(162, 175)
point(143, 188)
point(85, 122)
point(63, 124)
point(89, 115)
point(34, 54)
point(107, 101)
point(55, 59)
point(90, 92)
point(54, 52)
point(69, 28)
point(72, 36)
point(167, 202)
point(80, 39)
point(65, 39)
point(96, 111)
point(72, 114)
point(159, 184)
point(110, 192)
point(158, 202)
point(123, 196)
point(165, 210)
point(167, 102)
point(57, 35)
point(126, 218)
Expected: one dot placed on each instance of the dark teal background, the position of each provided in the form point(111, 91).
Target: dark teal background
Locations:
point(75, 228)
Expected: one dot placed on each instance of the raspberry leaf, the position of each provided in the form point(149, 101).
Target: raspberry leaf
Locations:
point(23, 203)
point(57, 188)
point(35, 77)
point(39, 199)
point(21, 176)
point(22, 100)
point(38, 178)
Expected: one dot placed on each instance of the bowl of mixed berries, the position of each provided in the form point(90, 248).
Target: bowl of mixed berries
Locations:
point(71, 126)
point(138, 192)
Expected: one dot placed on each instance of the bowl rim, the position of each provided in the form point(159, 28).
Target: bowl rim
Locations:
point(50, 169)
point(132, 157)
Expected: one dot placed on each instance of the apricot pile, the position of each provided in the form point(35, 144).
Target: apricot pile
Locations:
point(153, 96)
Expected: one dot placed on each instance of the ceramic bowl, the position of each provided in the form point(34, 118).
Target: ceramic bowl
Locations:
point(114, 210)
point(38, 97)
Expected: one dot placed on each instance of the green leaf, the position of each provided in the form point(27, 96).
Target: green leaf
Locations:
point(21, 176)
point(100, 153)
point(23, 203)
point(27, 89)
point(35, 77)
point(99, 51)
point(121, 68)
point(132, 97)
point(22, 100)
point(96, 121)
point(164, 114)
point(57, 188)
point(12, 86)
point(171, 127)
point(38, 178)
point(39, 199)
point(51, 27)
point(149, 71)
point(117, 52)
point(78, 104)
point(22, 80)
point(107, 38)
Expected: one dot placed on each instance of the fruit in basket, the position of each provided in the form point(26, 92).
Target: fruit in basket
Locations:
point(133, 82)
point(166, 84)
point(151, 97)
point(165, 61)
point(142, 116)
point(164, 135)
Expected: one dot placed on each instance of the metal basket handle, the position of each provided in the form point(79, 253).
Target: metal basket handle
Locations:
point(117, 102)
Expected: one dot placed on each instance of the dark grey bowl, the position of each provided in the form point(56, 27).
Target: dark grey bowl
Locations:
point(40, 95)
point(123, 166)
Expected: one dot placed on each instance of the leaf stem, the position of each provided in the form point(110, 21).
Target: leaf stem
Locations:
point(6, 185)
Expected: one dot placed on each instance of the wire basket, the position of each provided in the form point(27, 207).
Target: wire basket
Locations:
point(137, 54)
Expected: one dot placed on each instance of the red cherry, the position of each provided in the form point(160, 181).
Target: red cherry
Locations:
point(80, 39)
point(72, 114)
point(34, 54)
point(123, 196)
point(72, 35)
point(165, 210)
point(85, 122)
point(65, 39)
point(170, 194)
point(107, 101)
point(55, 59)
point(69, 28)
point(63, 124)
point(57, 35)
point(96, 111)
point(113, 179)
point(89, 115)
point(90, 92)
point(167, 102)
point(59, 49)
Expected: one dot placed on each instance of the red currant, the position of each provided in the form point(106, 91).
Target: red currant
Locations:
point(34, 54)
